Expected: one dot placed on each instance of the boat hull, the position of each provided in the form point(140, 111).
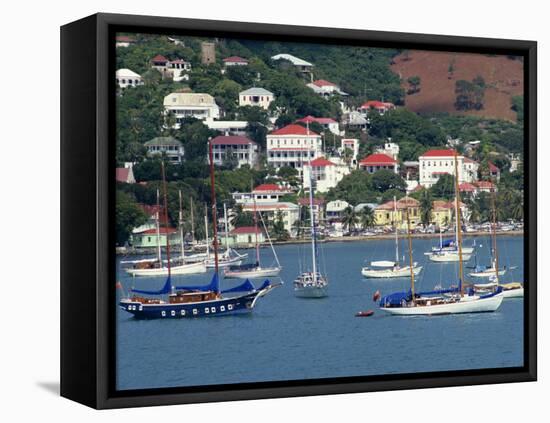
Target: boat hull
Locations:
point(465, 305)
point(389, 273)
point(224, 306)
point(487, 273)
point(311, 291)
point(185, 269)
point(252, 274)
point(448, 258)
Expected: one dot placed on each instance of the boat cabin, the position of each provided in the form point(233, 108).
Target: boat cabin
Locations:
point(192, 296)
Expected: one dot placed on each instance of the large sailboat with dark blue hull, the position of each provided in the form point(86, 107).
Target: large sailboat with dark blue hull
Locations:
point(194, 301)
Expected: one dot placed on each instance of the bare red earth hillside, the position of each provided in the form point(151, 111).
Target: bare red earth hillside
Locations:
point(503, 77)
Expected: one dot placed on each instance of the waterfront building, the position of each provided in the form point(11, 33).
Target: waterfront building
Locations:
point(390, 212)
point(377, 161)
point(149, 239)
point(184, 105)
point(289, 212)
point(246, 236)
point(237, 148)
point(434, 163)
point(326, 174)
point(318, 208)
point(335, 209)
point(256, 96)
point(264, 193)
point(127, 78)
point(168, 147)
point(293, 146)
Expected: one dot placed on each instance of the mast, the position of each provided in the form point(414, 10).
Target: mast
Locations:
point(226, 226)
point(166, 220)
point(458, 228)
point(159, 251)
point(411, 264)
point(494, 227)
point(396, 235)
point(192, 222)
point(206, 231)
point(213, 194)
point(256, 231)
point(312, 219)
point(181, 230)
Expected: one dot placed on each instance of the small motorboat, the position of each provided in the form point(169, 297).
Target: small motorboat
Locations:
point(364, 313)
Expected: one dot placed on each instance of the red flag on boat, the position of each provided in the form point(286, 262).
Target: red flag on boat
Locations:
point(118, 285)
point(376, 296)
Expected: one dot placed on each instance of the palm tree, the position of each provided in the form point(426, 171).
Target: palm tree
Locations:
point(426, 206)
point(367, 218)
point(349, 219)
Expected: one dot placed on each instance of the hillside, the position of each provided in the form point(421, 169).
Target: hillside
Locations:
point(503, 77)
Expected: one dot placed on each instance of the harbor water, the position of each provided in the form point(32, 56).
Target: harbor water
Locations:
point(290, 338)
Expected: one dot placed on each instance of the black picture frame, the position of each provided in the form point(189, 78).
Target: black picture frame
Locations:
point(87, 221)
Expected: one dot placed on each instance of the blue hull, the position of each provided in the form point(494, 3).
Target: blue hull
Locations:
point(224, 306)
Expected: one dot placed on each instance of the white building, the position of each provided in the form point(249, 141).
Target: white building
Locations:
point(170, 147)
point(293, 146)
point(326, 174)
point(389, 149)
point(247, 236)
point(378, 161)
point(185, 105)
point(300, 64)
point(290, 212)
point(264, 193)
point(380, 106)
point(227, 127)
point(235, 61)
point(124, 41)
point(434, 163)
point(356, 120)
point(326, 123)
point(126, 78)
point(176, 69)
point(256, 97)
point(335, 209)
point(243, 150)
point(325, 88)
point(351, 144)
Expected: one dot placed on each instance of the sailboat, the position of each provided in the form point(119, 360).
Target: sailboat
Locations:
point(159, 268)
point(255, 270)
point(509, 290)
point(311, 284)
point(195, 301)
point(387, 268)
point(229, 257)
point(453, 300)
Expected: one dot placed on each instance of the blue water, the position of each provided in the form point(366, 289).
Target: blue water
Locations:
point(288, 338)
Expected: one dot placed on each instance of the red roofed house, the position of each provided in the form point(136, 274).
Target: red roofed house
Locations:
point(240, 149)
point(176, 69)
point(235, 61)
point(264, 193)
point(159, 62)
point(326, 174)
point(150, 239)
point(378, 161)
point(125, 175)
point(485, 186)
point(494, 171)
point(326, 123)
point(434, 163)
point(293, 146)
point(246, 235)
point(124, 41)
point(325, 88)
point(380, 106)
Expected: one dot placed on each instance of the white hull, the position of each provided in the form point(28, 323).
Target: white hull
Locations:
point(513, 293)
point(185, 269)
point(487, 273)
point(402, 272)
point(449, 257)
point(435, 250)
point(254, 273)
point(311, 291)
point(472, 304)
point(224, 263)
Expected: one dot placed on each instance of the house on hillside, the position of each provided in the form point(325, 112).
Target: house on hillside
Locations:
point(176, 69)
point(227, 127)
point(326, 174)
point(125, 175)
point(235, 61)
point(124, 41)
point(238, 148)
point(127, 78)
point(264, 193)
point(379, 106)
point(356, 121)
point(325, 88)
point(198, 105)
point(389, 149)
point(327, 123)
point(434, 163)
point(299, 64)
point(377, 161)
point(293, 146)
point(256, 97)
point(349, 150)
point(168, 147)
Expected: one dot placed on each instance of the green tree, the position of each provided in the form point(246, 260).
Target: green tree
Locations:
point(385, 179)
point(366, 217)
point(128, 215)
point(414, 84)
point(349, 219)
point(241, 218)
point(444, 187)
point(426, 207)
point(279, 231)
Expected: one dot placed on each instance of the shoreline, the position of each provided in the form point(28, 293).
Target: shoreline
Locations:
point(337, 239)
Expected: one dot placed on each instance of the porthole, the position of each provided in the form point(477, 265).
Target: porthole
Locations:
point(207, 310)
point(222, 308)
point(173, 312)
point(163, 313)
point(140, 308)
point(195, 311)
point(230, 307)
point(213, 309)
point(183, 312)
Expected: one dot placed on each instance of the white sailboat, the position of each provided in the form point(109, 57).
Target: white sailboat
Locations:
point(311, 284)
point(387, 269)
point(229, 257)
point(255, 270)
point(443, 301)
point(159, 268)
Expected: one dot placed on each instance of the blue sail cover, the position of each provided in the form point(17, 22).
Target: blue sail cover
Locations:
point(396, 299)
point(166, 289)
point(448, 243)
point(264, 285)
point(246, 286)
point(214, 285)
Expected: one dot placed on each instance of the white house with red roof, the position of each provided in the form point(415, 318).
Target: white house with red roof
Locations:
point(231, 147)
point(177, 69)
point(327, 123)
point(325, 88)
point(264, 193)
point(494, 171)
point(293, 146)
point(124, 41)
point(326, 174)
point(378, 161)
point(389, 149)
point(125, 175)
point(380, 106)
point(247, 235)
point(235, 61)
point(434, 163)
point(256, 96)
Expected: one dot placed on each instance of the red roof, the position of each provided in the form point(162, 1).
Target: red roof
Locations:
point(159, 58)
point(311, 119)
point(468, 160)
point(235, 59)
point(316, 201)
point(439, 153)
point(485, 184)
point(467, 187)
point(269, 188)
point(375, 104)
point(493, 168)
point(377, 159)
point(178, 61)
point(324, 83)
point(124, 39)
point(231, 140)
point(294, 129)
point(162, 231)
point(122, 174)
point(246, 230)
point(321, 161)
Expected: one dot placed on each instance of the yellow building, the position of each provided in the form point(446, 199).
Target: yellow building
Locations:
point(442, 213)
point(388, 213)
